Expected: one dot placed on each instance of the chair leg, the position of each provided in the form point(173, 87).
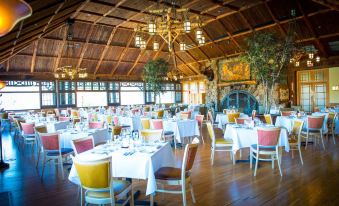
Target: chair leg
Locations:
point(38, 158)
point(251, 158)
point(272, 162)
point(240, 153)
point(202, 137)
point(256, 164)
point(278, 159)
point(322, 139)
point(301, 158)
point(212, 156)
point(43, 167)
point(61, 167)
point(192, 192)
point(183, 190)
point(233, 157)
point(306, 141)
point(333, 135)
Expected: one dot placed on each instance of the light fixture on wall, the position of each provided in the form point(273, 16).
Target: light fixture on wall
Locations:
point(335, 88)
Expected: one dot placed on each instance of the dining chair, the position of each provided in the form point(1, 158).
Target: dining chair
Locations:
point(241, 120)
point(64, 119)
point(314, 128)
point(145, 123)
point(232, 116)
point(39, 130)
point(109, 119)
point(211, 119)
point(294, 139)
point(93, 117)
point(151, 135)
point(116, 131)
point(186, 114)
point(95, 125)
point(81, 145)
point(159, 114)
point(219, 144)
point(316, 109)
point(167, 135)
point(331, 124)
point(170, 176)
point(268, 119)
point(268, 145)
point(116, 120)
point(97, 185)
point(76, 120)
point(200, 119)
point(286, 113)
point(28, 134)
point(18, 129)
point(56, 112)
point(52, 151)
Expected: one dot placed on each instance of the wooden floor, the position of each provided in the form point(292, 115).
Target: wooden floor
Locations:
point(314, 183)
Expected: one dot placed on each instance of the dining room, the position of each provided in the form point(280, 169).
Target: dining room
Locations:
point(169, 102)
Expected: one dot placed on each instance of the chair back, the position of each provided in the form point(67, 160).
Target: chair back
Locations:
point(151, 135)
point(63, 119)
point(268, 136)
point(93, 117)
point(211, 132)
point(109, 119)
point(27, 128)
point(160, 114)
point(4, 115)
point(157, 124)
point(331, 118)
point(145, 123)
point(232, 116)
point(95, 125)
point(316, 109)
point(297, 128)
point(56, 112)
point(74, 113)
point(50, 141)
point(315, 122)
point(188, 159)
point(210, 116)
point(200, 119)
point(18, 122)
point(76, 120)
point(147, 109)
point(82, 144)
point(116, 130)
point(254, 113)
point(41, 129)
point(134, 111)
point(286, 113)
point(116, 120)
point(240, 120)
point(186, 114)
point(94, 174)
point(268, 119)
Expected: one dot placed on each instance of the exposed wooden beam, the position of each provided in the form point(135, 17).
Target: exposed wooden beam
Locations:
point(7, 65)
point(197, 46)
point(17, 36)
point(184, 63)
point(311, 28)
point(160, 49)
point(332, 5)
point(274, 18)
point(105, 50)
point(139, 56)
point(230, 35)
point(35, 45)
point(211, 39)
point(217, 5)
point(84, 48)
point(61, 48)
point(123, 53)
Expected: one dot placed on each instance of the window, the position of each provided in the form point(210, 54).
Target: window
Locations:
point(67, 93)
point(85, 99)
point(113, 93)
point(48, 94)
point(132, 93)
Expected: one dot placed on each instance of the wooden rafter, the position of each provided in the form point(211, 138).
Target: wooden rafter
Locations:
point(217, 5)
point(332, 5)
point(230, 35)
point(123, 53)
point(160, 49)
point(139, 56)
point(61, 48)
point(274, 18)
point(198, 46)
point(216, 45)
point(310, 27)
point(35, 45)
point(105, 50)
point(84, 48)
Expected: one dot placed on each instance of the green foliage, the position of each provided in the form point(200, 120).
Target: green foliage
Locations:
point(153, 74)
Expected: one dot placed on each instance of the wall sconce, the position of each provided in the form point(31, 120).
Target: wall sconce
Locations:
point(335, 88)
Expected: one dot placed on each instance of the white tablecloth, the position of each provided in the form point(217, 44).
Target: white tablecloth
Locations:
point(243, 137)
point(182, 128)
point(53, 126)
point(140, 165)
point(99, 136)
point(222, 119)
point(133, 122)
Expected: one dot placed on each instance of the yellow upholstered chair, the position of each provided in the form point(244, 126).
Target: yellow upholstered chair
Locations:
point(331, 124)
point(75, 114)
point(109, 119)
point(145, 123)
point(178, 176)
point(232, 116)
point(151, 135)
point(219, 144)
point(116, 131)
point(99, 186)
point(268, 119)
point(159, 114)
point(294, 139)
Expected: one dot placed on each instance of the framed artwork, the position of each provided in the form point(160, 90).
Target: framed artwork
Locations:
point(284, 93)
point(233, 70)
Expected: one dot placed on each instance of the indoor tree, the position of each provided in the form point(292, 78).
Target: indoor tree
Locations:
point(154, 73)
point(268, 55)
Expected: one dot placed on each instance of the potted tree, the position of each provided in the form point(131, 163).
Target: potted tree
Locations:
point(154, 73)
point(268, 56)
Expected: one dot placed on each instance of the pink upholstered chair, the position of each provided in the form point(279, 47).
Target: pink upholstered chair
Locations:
point(116, 120)
point(254, 114)
point(52, 151)
point(268, 145)
point(188, 113)
point(286, 113)
point(63, 119)
point(200, 119)
point(168, 135)
point(82, 144)
point(314, 128)
point(95, 125)
point(28, 134)
point(240, 120)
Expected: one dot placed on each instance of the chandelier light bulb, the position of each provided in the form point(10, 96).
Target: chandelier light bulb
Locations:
point(297, 63)
point(182, 46)
point(198, 34)
point(152, 27)
point(317, 59)
point(291, 60)
point(187, 26)
point(309, 63)
point(137, 40)
point(202, 40)
point(142, 44)
point(155, 46)
point(311, 55)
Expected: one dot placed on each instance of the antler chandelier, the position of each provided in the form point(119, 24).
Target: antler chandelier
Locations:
point(70, 71)
point(169, 24)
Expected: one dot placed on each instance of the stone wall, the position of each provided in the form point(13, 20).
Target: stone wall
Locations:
point(215, 94)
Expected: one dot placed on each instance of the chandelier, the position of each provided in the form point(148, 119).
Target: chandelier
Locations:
point(169, 24)
point(70, 71)
point(301, 52)
point(174, 75)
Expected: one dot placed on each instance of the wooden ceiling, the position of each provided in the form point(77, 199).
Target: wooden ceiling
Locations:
point(104, 34)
